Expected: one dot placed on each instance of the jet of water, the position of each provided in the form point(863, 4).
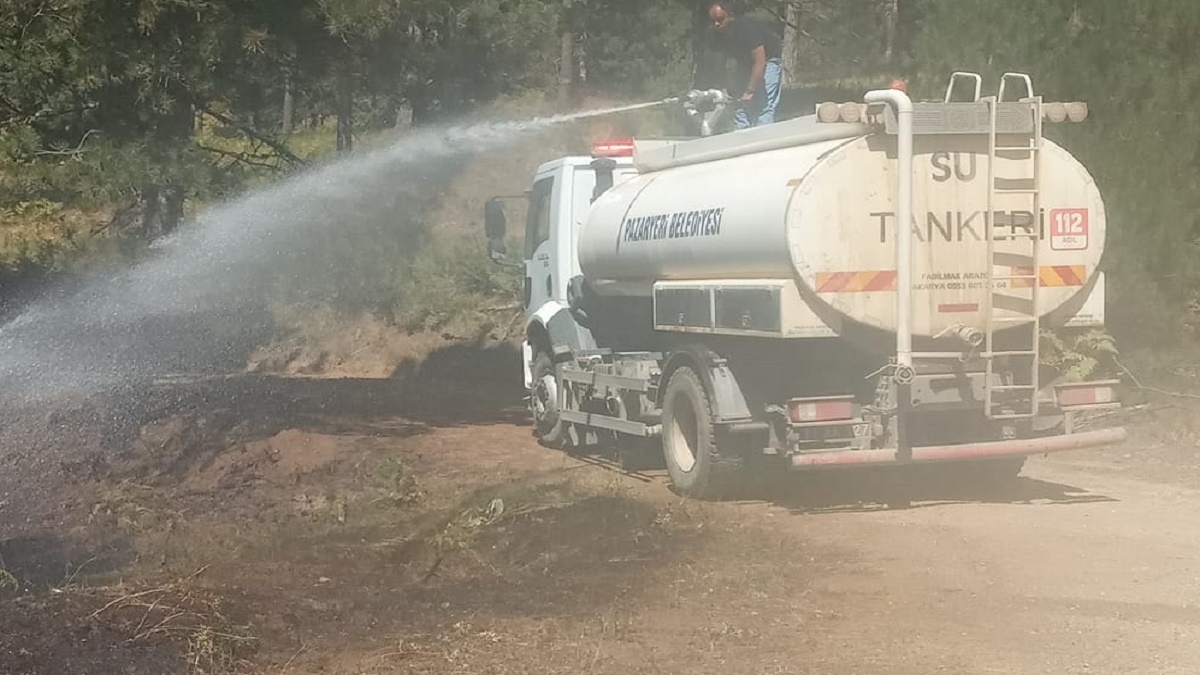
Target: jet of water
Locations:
point(206, 268)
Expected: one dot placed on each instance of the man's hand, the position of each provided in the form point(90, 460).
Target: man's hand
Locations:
point(747, 97)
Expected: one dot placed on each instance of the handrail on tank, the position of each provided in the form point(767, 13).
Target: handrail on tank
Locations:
point(1020, 77)
point(954, 79)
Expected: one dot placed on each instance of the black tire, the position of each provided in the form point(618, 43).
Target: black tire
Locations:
point(694, 462)
point(547, 427)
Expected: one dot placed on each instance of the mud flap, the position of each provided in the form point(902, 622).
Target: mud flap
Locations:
point(729, 404)
point(726, 397)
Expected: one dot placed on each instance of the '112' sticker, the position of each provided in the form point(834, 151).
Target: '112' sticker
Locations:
point(1069, 229)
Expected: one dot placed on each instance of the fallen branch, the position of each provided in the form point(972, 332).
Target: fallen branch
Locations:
point(513, 322)
point(1155, 390)
point(127, 599)
point(502, 308)
point(71, 153)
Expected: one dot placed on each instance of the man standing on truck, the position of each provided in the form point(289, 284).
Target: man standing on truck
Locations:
point(757, 52)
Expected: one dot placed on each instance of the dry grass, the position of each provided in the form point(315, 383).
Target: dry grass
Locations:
point(182, 612)
point(135, 508)
point(8, 582)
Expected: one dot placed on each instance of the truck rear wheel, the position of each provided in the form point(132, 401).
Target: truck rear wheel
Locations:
point(694, 462)
point(548, 427)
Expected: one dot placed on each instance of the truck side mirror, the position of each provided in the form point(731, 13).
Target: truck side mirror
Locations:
point(495, 227)
point(603, 168)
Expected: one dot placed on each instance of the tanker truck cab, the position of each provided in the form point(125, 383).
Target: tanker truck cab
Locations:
point(561, 193)
point(747, 299)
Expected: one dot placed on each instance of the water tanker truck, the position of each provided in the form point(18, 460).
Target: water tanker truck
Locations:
point(751, 297)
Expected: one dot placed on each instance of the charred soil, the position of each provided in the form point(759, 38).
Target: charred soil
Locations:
point(354, 526)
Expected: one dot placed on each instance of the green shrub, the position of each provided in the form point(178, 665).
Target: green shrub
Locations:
point(1079, 356)
point(452, 285)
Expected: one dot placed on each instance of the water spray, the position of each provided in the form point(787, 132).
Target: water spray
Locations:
point(204, 267)
point(706, 104)
point(562, 118)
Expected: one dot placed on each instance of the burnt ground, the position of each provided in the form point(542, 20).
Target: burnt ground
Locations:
point(410, 524)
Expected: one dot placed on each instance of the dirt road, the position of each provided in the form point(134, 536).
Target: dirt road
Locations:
point(1071, 571)
point(1078, 573)
point(356, 539)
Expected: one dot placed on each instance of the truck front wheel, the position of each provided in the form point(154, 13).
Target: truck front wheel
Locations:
point(694, 462)
point(548, 427)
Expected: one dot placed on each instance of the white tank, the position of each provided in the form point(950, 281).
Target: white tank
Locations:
point(822, 216)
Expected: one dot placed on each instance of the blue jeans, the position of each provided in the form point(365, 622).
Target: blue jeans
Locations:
point(761, 109)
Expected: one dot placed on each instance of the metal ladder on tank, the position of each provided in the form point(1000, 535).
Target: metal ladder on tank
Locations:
point(1012, 400)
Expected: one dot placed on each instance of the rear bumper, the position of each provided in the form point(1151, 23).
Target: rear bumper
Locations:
point(961, 453)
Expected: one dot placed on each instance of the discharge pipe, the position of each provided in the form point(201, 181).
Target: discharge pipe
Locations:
point(902, 104)
point(903, 107)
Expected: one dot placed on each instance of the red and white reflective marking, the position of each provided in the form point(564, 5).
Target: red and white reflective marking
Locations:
point(1050, 276)
point(1073, 395)
point(831, 409)
point(856, 282)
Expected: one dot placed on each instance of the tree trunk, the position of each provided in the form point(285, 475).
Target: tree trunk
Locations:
point(163, 202)
point(162, 210)
point(152, 212)
point(404, 115)
point(566, 67)
point(581, 64)
point(174, 199)
point(345, 113)
point(702, 70)
point(289, 107)
point(791, 44)
point(891, 10)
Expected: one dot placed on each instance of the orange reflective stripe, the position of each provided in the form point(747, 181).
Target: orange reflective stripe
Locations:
point(833, 282)
point(856, 282)
point(1056, 276)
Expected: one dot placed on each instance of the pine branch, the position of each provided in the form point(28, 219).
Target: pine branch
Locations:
point(242, 157)
point(275, 145)
point(782, 17)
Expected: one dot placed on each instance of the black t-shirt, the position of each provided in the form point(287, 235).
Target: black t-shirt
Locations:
point(739, 43)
